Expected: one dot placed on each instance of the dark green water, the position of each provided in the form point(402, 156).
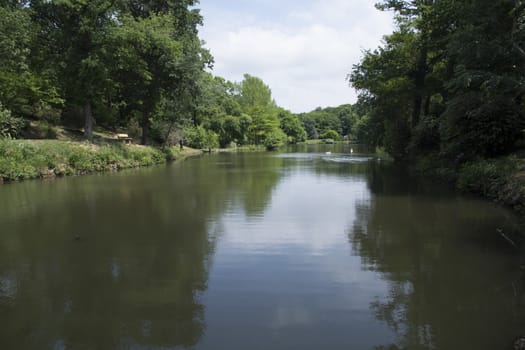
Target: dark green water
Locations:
point(303, 250)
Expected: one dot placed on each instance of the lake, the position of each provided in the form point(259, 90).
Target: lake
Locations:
point(302, 249)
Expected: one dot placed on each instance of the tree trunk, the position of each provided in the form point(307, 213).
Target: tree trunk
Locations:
point(166, 138)
point(427, 106)
point(88, 127)
point(419, 83)
point(145, 127)
point(194, 117)
point(416, 112)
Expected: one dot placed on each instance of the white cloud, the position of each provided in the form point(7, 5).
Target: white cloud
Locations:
point(303, 52)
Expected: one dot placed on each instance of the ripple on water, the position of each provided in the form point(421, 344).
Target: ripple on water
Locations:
point(8, 289)
point(330, 157)
point(346, 159)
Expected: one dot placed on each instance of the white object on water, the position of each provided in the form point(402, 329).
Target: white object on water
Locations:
point(328, 152)
point(351, 150)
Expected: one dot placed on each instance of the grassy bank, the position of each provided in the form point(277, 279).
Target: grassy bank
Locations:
point(500, 179)
point(31, 159)
point(321, 142)
point(240, 149)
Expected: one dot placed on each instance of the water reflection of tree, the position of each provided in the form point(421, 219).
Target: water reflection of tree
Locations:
point(135, 276)
point(450, 278)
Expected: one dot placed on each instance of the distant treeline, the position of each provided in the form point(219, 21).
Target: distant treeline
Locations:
point(449, 81)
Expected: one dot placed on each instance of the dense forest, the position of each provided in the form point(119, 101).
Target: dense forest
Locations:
point(126, 65)
point(448, 82)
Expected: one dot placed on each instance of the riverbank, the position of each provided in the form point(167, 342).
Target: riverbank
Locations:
point(499, 179)
point(33, 159)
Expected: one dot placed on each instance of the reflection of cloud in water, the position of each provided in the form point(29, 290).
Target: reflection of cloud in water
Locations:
point(8, 287)
point(307, 211)
point(115, 270)
point(287, 275)
point(296, 315)
point(60, 344)
point(307, 223)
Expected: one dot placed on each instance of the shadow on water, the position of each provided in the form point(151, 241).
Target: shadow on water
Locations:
point(118, 261)
point(454, 283)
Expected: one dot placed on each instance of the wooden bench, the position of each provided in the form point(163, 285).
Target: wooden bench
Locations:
point(124, 138)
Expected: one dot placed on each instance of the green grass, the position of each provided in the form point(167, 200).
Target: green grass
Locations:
point(29, 159)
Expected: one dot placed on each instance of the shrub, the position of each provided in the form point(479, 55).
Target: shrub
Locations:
point(479, 125)
point(425, 136)
point(10, 126)
point(330, 134)
point(485, 176)
point(274, 139)
point(195, 137)
point(45, 130)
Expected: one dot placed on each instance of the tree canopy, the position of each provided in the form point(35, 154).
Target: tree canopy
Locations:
point(110, 61)
point(129, 65)
point(448, 80)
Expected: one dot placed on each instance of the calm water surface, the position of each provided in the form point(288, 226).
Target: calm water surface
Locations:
point(299, 250)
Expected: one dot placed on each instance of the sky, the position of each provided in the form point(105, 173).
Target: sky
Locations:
point(302, 49)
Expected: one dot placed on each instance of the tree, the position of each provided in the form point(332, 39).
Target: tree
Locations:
point(25, 87)
point(77, 34)
point(449, 79)
point(255, 99)
point(316, 122)
point(219, 110)
point(149, 58)
point(163, 58)
point(330, 134)
point(291, 126)
point(399, 80)
point(484, 114)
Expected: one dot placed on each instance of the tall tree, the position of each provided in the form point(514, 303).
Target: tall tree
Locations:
point(25, 87)
point(167, 56)
point(255, 98)
point(291, 126)
point(484, 113)
point(77, 33)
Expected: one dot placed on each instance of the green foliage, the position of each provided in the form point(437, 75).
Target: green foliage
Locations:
point(199, 137)
point(109, 59)
point(487, 127)
point(44, 130)
point(449, 79)
point(133, 129)
point(255, 100)
point(320, 120)
point(120, 64)
point(485, 177)
point(194, 136)
point(291, 126)
point(255, 97)
point(26, 88)
point(425, 136)
point(31, 159)
point(274, 139)
point(158, 68)
point(330, 134)
point(10, 126)
point(211, 139)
